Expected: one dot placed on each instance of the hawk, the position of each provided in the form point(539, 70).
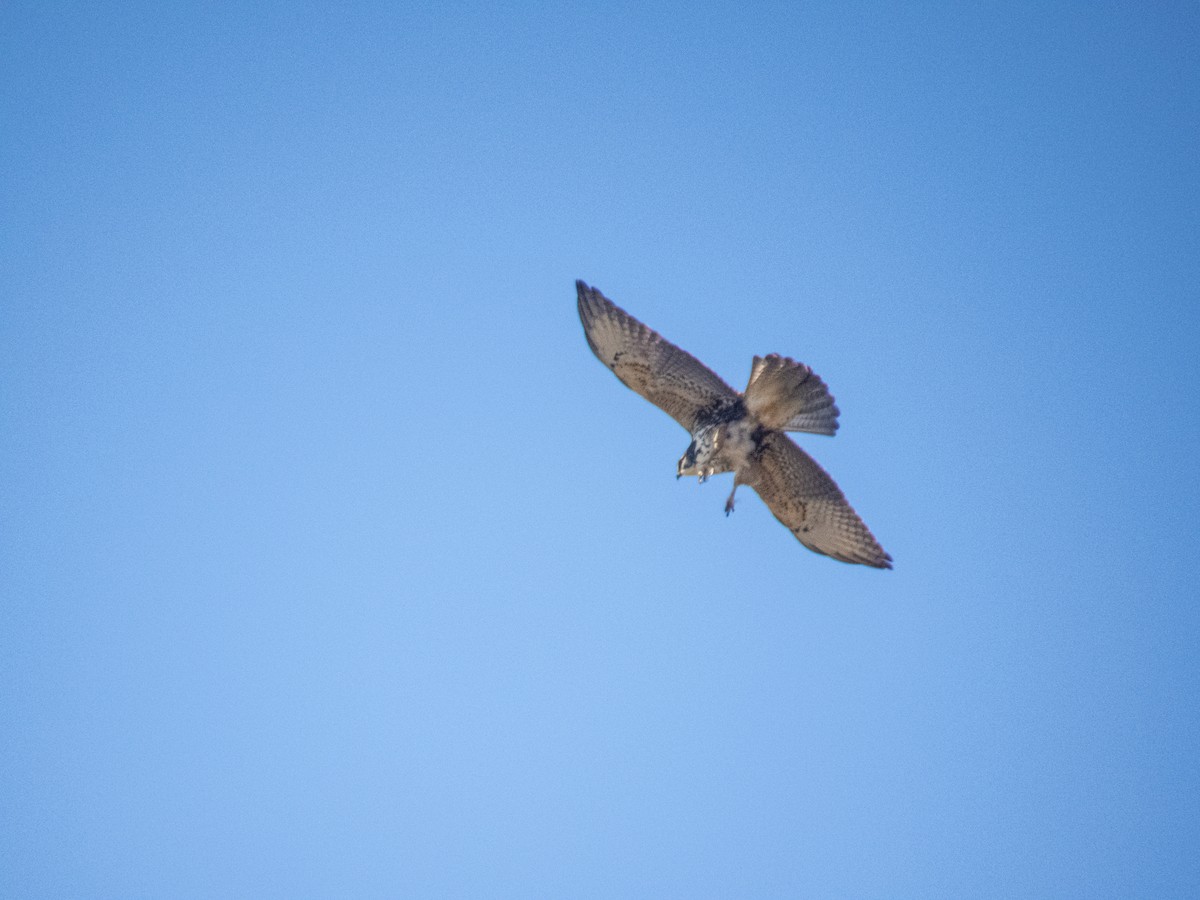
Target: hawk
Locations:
point(740, 433)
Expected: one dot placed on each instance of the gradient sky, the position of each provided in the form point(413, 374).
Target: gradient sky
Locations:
point(332, 563)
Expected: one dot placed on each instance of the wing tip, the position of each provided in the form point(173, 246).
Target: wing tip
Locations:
point(876, 557)
point(585, 300)
point(879, 560)
point(589, 300)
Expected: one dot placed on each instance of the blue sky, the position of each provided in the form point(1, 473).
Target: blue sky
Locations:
point(334, 564)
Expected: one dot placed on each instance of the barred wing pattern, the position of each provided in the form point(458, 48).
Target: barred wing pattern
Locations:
point(672, 379)
point(806, 500)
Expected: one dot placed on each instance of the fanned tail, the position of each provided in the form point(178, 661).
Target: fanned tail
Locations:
point(789, 396)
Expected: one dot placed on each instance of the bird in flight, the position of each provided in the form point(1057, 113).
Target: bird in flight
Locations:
point(743, 433)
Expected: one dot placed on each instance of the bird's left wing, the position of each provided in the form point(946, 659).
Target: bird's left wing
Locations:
point(805, 499)
point(672, 379)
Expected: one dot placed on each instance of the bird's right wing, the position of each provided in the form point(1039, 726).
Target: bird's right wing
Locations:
point(805, 499)
point(672, 379)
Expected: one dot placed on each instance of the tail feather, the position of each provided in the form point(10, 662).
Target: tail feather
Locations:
point(789, 396)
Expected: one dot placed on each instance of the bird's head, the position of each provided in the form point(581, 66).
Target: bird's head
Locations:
point(698, 458)
point(687, 462)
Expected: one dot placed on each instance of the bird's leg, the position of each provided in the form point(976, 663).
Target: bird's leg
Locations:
point(729, 501)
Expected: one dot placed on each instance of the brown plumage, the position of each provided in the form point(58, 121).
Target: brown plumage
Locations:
point(742, 433)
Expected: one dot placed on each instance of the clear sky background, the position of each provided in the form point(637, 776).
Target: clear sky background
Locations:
point(334, 564)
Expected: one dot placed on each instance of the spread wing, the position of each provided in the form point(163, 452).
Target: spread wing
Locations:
point(805, 499)
point(673, 380)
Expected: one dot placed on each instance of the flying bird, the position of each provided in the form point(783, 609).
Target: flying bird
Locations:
point(743, 433)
